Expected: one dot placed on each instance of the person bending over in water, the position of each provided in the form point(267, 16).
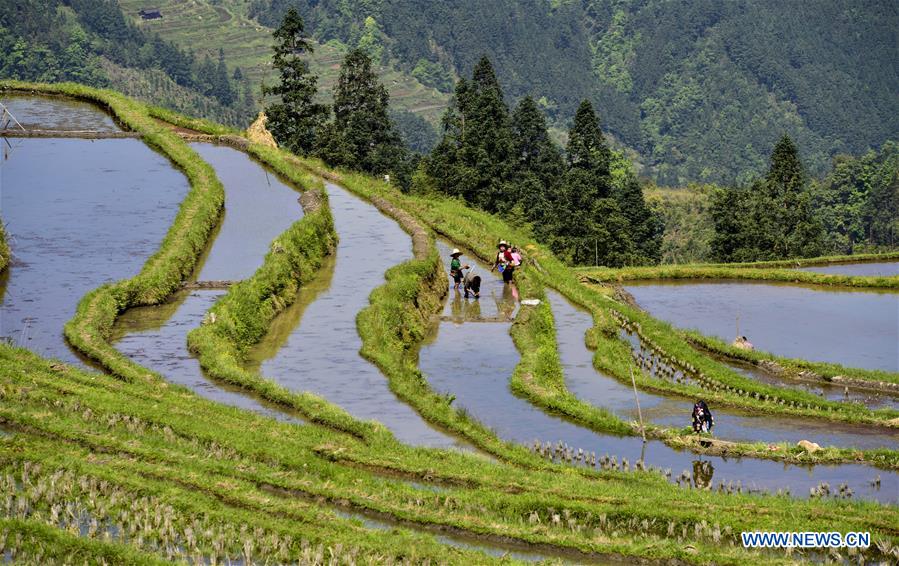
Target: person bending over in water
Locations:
point(471, 283)
point(703, 421)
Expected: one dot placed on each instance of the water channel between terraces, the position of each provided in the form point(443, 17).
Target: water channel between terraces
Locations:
point(849, 327)
point(473, 361)
point(258, 207)
point(78, 213)
point(314, 345)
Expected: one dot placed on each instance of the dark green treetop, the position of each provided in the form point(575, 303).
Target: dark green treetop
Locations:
point(362, 135)
point(296, 118)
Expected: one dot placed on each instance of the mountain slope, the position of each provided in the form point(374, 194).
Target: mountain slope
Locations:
point(205, 26)
point(701, 89)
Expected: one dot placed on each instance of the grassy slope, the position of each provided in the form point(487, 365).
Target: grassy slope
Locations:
point(204, 27)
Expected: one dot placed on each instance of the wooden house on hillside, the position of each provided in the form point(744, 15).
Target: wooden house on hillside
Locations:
point(150, 13)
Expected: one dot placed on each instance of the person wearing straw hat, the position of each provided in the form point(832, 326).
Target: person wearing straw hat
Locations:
point(456, 268)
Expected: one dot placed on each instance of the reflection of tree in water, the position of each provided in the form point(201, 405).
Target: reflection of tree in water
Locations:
point(703, 470)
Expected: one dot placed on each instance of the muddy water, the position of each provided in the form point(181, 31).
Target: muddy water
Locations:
point(604, 391)
point(79, 214)
point(320, 353)
point(52, 113)
point(855, 329)
point(473, 362)
point(258, 207)
point(876, 269)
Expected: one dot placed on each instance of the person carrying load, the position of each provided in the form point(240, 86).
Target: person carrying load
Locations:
point(504, 261)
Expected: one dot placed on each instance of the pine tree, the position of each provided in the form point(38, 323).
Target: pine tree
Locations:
point(206, 76)
point(644, 227)
point(537, 161)
point(587, 148)
point(786, 173)
point(223, 91)
point(296, 118)
point(362, 135)
point(486, 148)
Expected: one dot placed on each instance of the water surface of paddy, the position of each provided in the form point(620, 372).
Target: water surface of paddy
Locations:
point(56, 113)
point(876, 269)
point(320, 352)
point(78, 213)
point(855, 329)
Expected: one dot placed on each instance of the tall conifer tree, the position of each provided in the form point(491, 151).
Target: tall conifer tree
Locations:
point(296, 118)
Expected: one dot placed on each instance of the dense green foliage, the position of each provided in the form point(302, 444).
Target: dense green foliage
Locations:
point(417, 133)
point(684, 213)
point(770, 219)
point(506, 163)
point(91, 42)
point(858, 201)
point(362, 135)
point(700, 90)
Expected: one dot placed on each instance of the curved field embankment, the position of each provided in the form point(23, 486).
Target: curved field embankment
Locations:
point(163, 273)
point(762, 273)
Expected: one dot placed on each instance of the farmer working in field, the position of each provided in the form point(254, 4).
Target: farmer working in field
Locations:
point(703, 421)
point(456, 268)
point(504, 261)
point(471, 284)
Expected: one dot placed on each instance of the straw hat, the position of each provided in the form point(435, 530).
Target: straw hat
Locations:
point(456, 252)
point(502, 243)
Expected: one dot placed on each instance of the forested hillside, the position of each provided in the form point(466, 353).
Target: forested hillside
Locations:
point(91, 42)
point(702, 90)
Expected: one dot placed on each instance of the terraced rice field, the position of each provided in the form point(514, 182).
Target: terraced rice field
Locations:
point(205, 27)
point(311, 408)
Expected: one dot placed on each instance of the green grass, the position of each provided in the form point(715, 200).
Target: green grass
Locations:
point(4, 248)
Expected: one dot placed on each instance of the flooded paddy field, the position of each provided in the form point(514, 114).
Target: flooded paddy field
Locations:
point(875, 269)
point(852, 328)
point(57, 113)
point(78, 214)
point(832, 392)
point(473, 361)
point(601, 390)
point(320, 351)
point(258, 207)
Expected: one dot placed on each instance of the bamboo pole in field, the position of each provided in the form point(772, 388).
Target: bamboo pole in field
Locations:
point(637, 399)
